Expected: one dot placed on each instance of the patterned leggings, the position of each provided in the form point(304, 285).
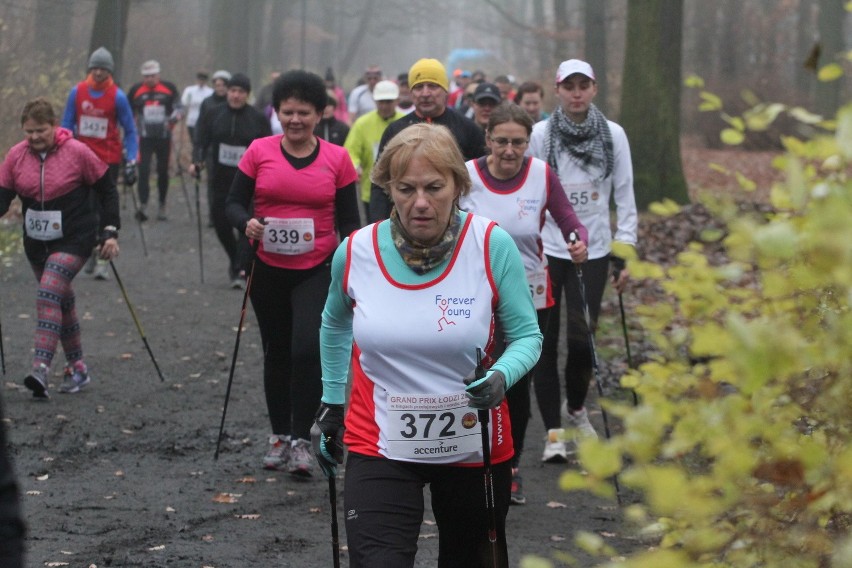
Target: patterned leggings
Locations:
point(57, 316)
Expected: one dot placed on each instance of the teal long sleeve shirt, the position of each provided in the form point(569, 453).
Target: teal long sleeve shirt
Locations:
point(515, 311)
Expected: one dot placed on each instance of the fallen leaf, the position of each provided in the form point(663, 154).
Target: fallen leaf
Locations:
point(56, 564)
point(251, 516)
point(247, 479)
point(23, 316)
point(88, 316)
point(207, 538)
point(66, 552)
point(127, 356)
point(186, 358)
point(607, 534)
point(170, 510)
point(119, 473)
point(220, 355)
point(47, 459)
point(33, 492)
point(158, 547)
point(226, 497)
point(61, 417)
point(556, 505)
point(181, 291)
point(99, 409)
point(194, 375)
point(556, 538)
point(110, 334)
point(43, 477)
point(315, 510)
point(126, 431)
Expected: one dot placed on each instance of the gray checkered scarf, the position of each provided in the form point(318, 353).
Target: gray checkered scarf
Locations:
point(589, 144)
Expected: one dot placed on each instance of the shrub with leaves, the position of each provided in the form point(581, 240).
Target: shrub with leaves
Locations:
point(739, 448)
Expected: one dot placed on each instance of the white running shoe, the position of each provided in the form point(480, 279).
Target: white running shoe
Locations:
point(578, 420)
point(554, 447)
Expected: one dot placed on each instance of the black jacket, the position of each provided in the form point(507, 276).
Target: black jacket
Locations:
point(469, 136)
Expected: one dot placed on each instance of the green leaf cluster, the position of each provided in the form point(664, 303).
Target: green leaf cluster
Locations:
point(739, 447)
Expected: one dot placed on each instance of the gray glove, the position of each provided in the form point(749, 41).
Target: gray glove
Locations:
point(487, 392)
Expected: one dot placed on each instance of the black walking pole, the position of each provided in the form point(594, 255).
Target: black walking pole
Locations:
point(335, 539)
point(136, 320)
point(236, 348)
point(626, 337)
point(484, 416)
point(2, 353)
point(137, 216)
point(598, 384)
point(198, 218)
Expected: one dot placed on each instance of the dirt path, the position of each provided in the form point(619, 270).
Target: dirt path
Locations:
point(123, 473)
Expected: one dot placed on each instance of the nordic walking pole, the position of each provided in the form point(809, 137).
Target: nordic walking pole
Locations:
point(582, 287)
point(138, 220)
point(335, 539)
point(2, 353)
point(198, 218)
point(484, 416)
point(236, 349)
point(136, 320)
point(615, 275)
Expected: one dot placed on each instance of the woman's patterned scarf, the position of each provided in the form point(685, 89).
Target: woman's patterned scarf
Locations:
point(422, 258)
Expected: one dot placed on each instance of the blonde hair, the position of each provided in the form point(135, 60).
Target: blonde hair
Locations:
point(433, 142)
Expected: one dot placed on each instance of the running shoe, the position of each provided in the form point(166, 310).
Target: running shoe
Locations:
point(517, 490)
point(301, 458)
point(278, 456)
point(102, 270)
point(75, 379)
point(141, 215)
point(36, 381)
point(237, 284)
point(161, 213)
point(554, 447)
point(578, 420)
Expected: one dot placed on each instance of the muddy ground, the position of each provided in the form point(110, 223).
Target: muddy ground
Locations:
point(123, 474)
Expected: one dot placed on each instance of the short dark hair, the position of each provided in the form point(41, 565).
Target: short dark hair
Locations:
point(509, 112)
point(300, 85)
point(528, 87)
point(39, 110)
point(402, 79)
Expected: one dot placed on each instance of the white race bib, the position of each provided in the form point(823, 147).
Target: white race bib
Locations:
point(93, 126)
point(423, 426)
point(154, 114)
point(538, 288)
point(585, 200)
point(43, 225)
point(231, 155)
point(288, 236)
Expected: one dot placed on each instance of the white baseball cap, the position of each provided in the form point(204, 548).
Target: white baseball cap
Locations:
point(572, 66)
point(150, 67)
point(385, 91)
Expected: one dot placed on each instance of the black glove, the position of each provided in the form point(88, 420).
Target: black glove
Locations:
point(327, 437)
point(487, 392)
point(130, 173)
point(109, 232)
point(618, 264)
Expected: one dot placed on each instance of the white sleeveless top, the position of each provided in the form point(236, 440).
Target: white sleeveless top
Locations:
point(413, 346)
point(520, 213)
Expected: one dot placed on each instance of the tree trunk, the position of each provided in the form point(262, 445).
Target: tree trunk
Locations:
point(543, 60)
point(230, 35)
point(110, 30)
point(595, 48)
point(650, 108)
point(831, 18)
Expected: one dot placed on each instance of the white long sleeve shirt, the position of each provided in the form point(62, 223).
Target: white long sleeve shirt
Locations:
point(589, 199)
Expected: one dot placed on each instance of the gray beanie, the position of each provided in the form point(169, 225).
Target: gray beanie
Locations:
point(102, 59)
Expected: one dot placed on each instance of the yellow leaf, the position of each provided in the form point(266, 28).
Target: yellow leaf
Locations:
point(805, 116)
point(731, 136)
point(693, 82)
point(623, 250)
point(830, 72)
point(718, 167)
point(745, 182)
point(600, 458)
point(710, 102)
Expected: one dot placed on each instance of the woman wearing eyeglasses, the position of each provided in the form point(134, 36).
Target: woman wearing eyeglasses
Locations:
point(517, 191)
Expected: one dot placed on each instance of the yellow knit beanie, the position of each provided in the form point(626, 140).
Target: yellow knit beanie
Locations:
point(428, 71)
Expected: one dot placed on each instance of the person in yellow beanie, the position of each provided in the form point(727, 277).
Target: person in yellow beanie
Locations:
point(429, 84)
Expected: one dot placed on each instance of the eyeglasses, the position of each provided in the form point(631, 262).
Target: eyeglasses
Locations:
point(516, 142)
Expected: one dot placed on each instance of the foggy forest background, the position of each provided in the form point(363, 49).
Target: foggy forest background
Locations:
point(771, 49)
